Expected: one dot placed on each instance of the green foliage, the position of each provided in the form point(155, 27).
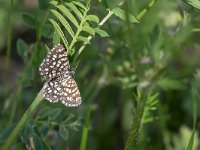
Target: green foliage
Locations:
point(29, 20)
point(102, 33)
point(22, 49)
point(151, 102)
point(75, 25)
point(194, 3)
point(122, 14)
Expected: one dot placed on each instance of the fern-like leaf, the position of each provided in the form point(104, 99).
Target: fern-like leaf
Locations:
point(88, 29)
point(76, 10)
point(151, 102)
point(68, 14)
point(93, 18)
point(60, 32)
point(63, 22)
point(75, 21)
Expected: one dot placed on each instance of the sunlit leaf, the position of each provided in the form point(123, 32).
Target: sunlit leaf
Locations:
point(75, 9)
point(63, 21)
point(68, 14)
point(101, 32)
point(53, 2)
point(56, 38)
point(88, 29)
point(194, 3)
point(93, 18)
point(60, 32)
point(79, 4)
point(122, 15)
point(82, 38)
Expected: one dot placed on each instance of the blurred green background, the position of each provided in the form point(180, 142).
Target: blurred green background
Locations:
point(158, 55)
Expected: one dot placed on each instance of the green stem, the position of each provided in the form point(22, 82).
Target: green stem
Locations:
point(133, 134)
point(85, 129)
point(88, 114)
point(196, 30)
point(9, 40)
point(144, 11)
point(94, 89)
point(135, 54)
point(27, 115)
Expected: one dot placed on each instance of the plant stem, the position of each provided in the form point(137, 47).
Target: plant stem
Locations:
point(133, 134)
point(27, 115)
point(110, 13)
point(144, 11)
point(9, 39)
point(130, 41)
point(85, 129)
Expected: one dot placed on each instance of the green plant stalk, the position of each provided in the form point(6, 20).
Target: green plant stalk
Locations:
point(88, 114)
point(27, 115)
point(196, 30)
point(134, 133)
point(135, 54)
point(9, 39)
point(85, 129)
point(195, 98)
point(144, 11)
point(130, 40)
point(94, 89)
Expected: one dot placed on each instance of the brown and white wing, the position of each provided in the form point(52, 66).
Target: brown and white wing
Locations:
point(70, 95)
point(55, 63)
point(52, 91)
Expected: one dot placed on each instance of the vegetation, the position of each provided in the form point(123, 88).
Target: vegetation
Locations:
point(137, 72)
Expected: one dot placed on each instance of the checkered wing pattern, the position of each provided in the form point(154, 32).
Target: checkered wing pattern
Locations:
point(60, 85)
point(52, 91)
point(55, 63)
point(70, 95)
point(65, 90)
